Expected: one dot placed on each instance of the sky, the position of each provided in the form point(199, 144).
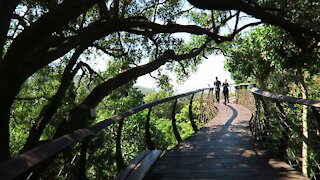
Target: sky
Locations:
point(205, 76)
point(202, 78)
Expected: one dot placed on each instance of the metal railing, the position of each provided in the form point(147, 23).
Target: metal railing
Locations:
point(287, 126)
point(28, 164)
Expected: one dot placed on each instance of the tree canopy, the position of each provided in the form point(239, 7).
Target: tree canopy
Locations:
point(45, 45)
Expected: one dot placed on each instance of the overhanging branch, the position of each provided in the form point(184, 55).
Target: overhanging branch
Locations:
point(257, 12)
point(81, 113)
point(55, 102)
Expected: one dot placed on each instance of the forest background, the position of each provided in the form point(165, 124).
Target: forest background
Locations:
point(48, 48)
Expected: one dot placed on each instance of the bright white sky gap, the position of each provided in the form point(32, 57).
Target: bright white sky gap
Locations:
point(205, 76)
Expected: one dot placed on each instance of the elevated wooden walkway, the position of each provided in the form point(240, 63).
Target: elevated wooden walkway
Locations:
point(223, 149)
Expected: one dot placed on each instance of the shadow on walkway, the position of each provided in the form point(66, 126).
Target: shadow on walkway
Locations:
point(229, 121)
point(222, 149)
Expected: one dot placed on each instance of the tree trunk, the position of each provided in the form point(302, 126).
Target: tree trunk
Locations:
point(7, 94)
point(9, 86)
point(262, 83)
point(304, 119)
point(302, 84)
point(4, 125)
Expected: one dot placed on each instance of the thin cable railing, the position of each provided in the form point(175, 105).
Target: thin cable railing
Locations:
point(77, 147)
point(286, 126)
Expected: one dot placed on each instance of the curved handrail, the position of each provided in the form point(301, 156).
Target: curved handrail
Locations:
point(296, 138)
point(15, 167)
point(284, 98)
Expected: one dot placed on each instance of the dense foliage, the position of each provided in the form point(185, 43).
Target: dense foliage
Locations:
point(51, 50)
point(276, 59)
point(285, 64)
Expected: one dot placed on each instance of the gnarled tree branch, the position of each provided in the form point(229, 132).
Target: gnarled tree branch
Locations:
point(50, 109)
point(258, 12)
point(79, 115)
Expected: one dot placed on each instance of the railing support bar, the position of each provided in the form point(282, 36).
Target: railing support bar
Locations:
point(174, 124)
point(83, 159)
point(202, 115)
point(119, 158)
point(193, 124)
point(150, 145)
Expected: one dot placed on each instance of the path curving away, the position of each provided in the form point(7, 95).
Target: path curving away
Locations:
point(223, 149)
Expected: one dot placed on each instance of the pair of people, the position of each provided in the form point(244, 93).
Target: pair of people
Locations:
point(225, 90)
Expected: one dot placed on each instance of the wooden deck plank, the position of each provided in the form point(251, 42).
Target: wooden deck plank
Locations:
point(223, 149)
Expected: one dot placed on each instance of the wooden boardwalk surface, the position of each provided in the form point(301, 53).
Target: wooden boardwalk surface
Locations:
point(223, 149)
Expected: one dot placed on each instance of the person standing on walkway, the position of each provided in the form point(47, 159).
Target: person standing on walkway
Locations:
point(225, 90)
point(217, 85)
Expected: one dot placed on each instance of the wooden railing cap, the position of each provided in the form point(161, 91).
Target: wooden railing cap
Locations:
point(283, 98)
point(12, 168)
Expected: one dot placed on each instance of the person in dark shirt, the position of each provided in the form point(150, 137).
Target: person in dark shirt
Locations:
point(225, 90)
point(217, 85)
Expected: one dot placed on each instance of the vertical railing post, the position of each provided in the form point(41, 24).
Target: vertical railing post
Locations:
point(174, 125)
point(193, 124)
point(83, 160)
point(202, 115)
point(119, 158)
point(150, 145)
point(208, 112)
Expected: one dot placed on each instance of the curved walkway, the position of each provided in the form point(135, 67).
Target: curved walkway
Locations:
point(223, 149)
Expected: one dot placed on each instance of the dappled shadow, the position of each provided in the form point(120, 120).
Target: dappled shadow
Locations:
point(223, 149)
